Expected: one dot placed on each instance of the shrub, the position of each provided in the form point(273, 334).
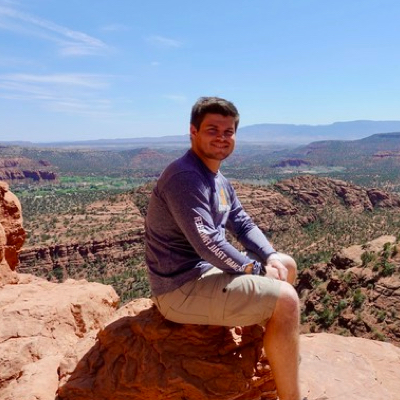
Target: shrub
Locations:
point(387, 250)
point(358, 298)
point(367, 257)
point(326, 318)
point(342, 304)
point(58, 273)
point(379, 335)
point(381, 315)
point(388, 268)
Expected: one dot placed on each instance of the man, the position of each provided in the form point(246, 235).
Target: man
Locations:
point(196, 275)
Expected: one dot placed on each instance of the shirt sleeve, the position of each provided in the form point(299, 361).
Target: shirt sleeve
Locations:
point(188, 197)
point(246, 231)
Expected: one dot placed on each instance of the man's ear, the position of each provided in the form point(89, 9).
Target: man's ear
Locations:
point(193, 130)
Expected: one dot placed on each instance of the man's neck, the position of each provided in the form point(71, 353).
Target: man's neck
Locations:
point(212, 165)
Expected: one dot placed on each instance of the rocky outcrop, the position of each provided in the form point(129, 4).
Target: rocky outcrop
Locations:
point(291, 162)
point(319, 192)
point(18, 175)
point(357, 293)
point(61, 343)
point(352, 256)
point(41, 260)
point(302, 200)
point(142, 356)
point(382, 199)
point(346, 368)
point(41, 322)
point(23, 169)
point(12, 234)
point(286, 197)
point(386, 154)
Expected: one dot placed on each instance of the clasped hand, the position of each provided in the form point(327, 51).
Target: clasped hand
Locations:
point(275, 269)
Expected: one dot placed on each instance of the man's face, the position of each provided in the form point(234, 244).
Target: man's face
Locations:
point(214, 140)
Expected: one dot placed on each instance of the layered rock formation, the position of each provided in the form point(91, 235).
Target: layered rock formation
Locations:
point(142, 356)
point(24, 169)
point(288, 205)
point(356, 293)
point(40, 260)
point(317, 191)
point(12, 234)
point(40, 321)
point(291, 204)
point(109, 231)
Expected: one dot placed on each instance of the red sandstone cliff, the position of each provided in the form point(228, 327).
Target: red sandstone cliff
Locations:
point(24, 169)
point(12, 235)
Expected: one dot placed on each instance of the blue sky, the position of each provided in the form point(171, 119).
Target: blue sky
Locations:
point(92, 69)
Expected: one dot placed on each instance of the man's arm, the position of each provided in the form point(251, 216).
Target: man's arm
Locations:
point(252, 238)
point(246, 231)
point(188, 198)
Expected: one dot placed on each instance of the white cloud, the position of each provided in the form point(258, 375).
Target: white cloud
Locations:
point(71, 105)
point(164, 41)
point(71, 42)
point(68, 93)
point(87, 80)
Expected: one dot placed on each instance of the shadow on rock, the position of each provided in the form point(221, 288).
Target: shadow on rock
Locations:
point(143, 356)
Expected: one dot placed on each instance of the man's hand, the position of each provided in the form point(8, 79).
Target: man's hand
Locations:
point(275, 268)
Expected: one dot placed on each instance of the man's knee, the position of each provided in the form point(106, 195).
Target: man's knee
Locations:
point(288, 304)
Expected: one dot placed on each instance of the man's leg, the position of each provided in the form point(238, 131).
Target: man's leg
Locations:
point(281, 343)
point(246, 300)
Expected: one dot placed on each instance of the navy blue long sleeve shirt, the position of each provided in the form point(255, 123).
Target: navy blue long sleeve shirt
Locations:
point(189, 211)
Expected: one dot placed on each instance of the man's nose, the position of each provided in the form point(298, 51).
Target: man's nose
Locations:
point(221, 135)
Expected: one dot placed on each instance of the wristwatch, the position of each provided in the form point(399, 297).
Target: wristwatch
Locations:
point(254, 268)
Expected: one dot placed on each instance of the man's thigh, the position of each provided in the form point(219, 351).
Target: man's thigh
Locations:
point(218, 298)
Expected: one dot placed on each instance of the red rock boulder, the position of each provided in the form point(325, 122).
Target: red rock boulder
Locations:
point(143, 356)
point(12, 234)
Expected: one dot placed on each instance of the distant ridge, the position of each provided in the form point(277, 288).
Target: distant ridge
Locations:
point(379, 151)
point(118, 144)
point(259, 133)
point(351, 130)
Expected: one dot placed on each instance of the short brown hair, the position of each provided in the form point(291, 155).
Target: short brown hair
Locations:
point(212, 105)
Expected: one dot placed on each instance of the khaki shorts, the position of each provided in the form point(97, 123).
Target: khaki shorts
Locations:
point(218, 298)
